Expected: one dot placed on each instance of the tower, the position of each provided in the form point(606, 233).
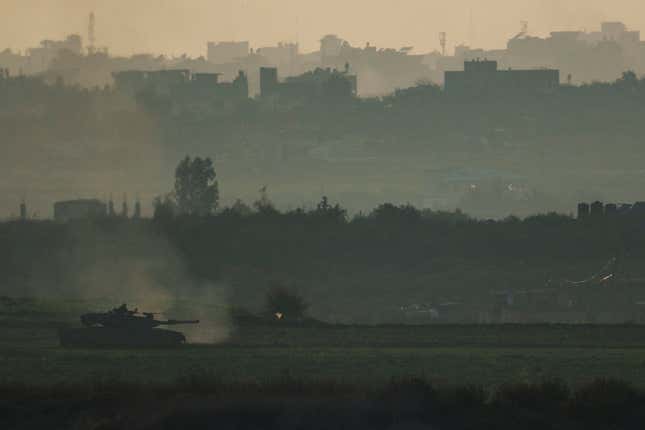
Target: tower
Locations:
point(471, 29)
point(91, 37)
point(23, 211)
point(268, 81)
point(111, 207)
point(124, 206)
point(442, 42)
point(137, 209)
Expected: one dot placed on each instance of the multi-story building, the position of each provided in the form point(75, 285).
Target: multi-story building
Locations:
point(181, 81)
point(318, 84)
point(40, 58)
point(483, 78)
point(283, 56)
point(227, 52)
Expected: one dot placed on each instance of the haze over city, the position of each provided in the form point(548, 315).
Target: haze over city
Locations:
point(281, 214)
point(177, 27)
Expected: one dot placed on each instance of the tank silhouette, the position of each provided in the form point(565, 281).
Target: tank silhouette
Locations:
point(122, 327)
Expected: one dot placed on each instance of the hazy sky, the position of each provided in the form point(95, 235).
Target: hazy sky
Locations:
point(183, 26)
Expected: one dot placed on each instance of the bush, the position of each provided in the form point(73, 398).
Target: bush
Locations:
point(548, 396)
point(284, 304)
point(606, 402)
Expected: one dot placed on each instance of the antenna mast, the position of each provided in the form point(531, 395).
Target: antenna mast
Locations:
point(471, 29)
point(90, 34)
point(442, 42)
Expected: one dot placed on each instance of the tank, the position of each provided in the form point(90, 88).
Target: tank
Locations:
point(122, 327)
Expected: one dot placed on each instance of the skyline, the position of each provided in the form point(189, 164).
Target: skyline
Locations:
point(263, 24)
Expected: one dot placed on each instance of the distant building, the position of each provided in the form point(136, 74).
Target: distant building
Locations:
point(618, 32)
point(160, 81)
point(137, 210)
point(227, 52)
point(79, 209)
point(317, 84)
point(40, 58)
point(611, 209)
point(23, 211)
point(165, 80)
point(380, 70)
point(638, 208)
point(129, 81)
point(283, 56)
point(483, 78)
point(268, 81)
point(581, 56)
point(330, 46)
point(181, 82)
point(12, 63)
point(598, 209)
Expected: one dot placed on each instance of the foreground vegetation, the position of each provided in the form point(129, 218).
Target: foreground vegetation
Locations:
point(198, 401)
point(323, 376)
point(488, 366)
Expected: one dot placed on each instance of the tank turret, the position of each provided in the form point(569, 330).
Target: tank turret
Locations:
point(123, 327)
point(122, 317)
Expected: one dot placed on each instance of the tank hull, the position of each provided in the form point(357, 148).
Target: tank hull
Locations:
point(103, 337)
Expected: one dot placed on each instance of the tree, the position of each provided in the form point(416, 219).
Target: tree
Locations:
point(389, 213)
point(165, 208)
point(196, 189)
point(264, 205)
point(628, 81)
point(329, 211)
point(282, 303)
point(240, 208)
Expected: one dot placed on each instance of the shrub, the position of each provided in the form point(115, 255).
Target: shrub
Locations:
point(285, 304)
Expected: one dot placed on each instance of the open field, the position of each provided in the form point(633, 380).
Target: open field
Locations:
point(443, 365)
point(271, 376)
point(452, 355)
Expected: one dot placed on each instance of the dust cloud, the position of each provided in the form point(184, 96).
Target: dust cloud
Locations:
point(133, 264)
point(95, 147)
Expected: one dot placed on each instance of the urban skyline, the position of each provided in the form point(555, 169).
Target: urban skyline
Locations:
point(130, 28)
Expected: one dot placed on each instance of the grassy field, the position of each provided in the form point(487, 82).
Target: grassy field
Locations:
point(452, 355)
